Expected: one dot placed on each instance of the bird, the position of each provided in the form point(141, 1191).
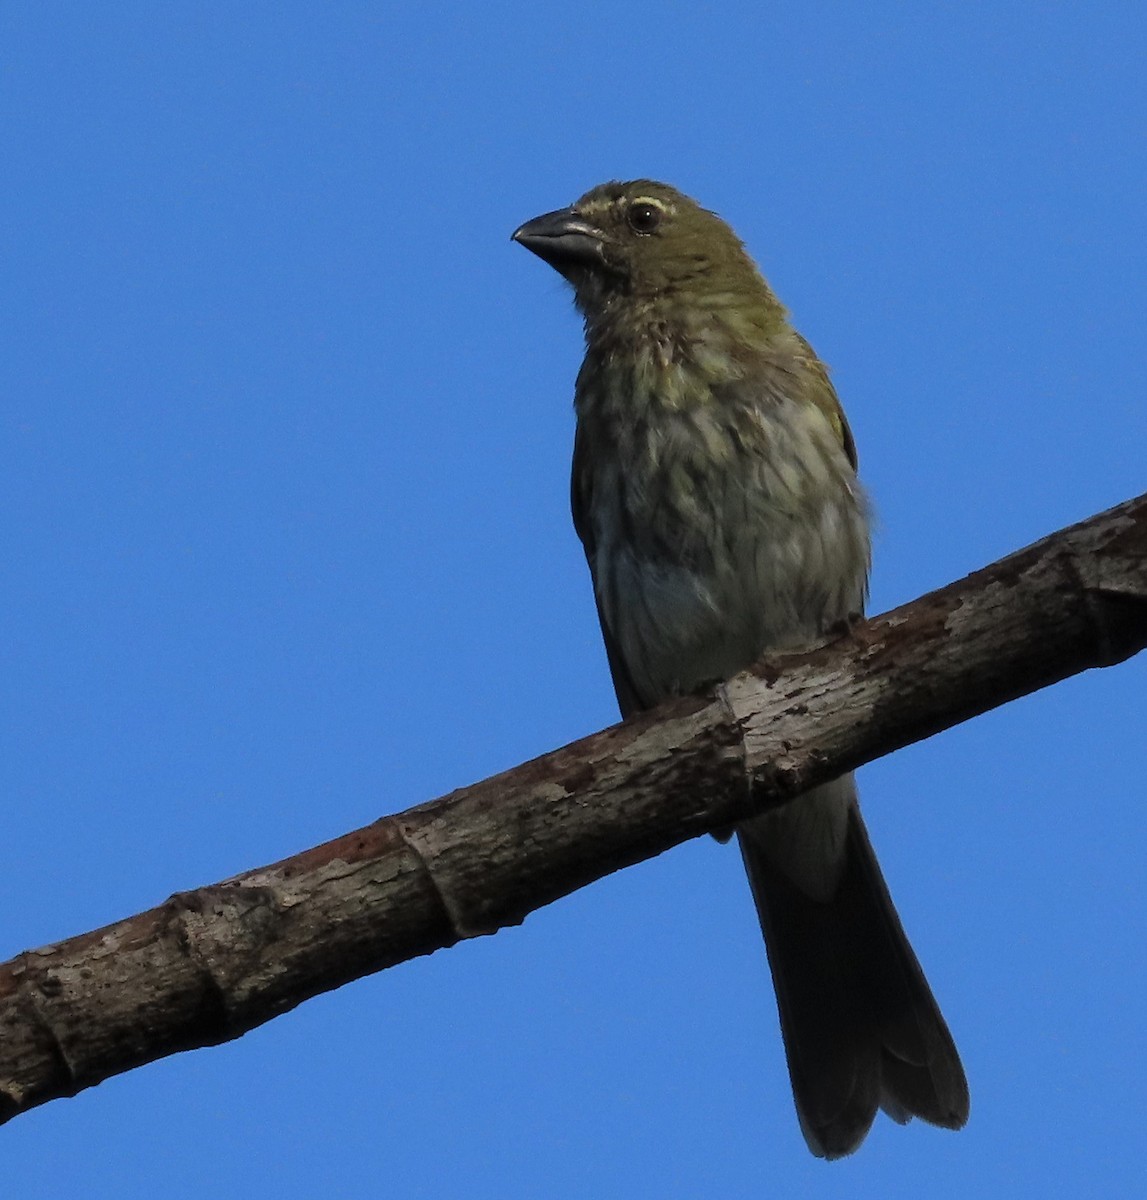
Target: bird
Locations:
point(714, 489)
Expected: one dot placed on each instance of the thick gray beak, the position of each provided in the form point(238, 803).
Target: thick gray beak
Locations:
point(564, 239)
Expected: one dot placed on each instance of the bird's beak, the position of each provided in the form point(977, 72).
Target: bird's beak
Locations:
point(564, 239)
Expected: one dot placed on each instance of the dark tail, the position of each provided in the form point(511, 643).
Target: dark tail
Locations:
point(860, 1025)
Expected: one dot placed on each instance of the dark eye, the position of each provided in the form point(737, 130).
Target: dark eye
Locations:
point(643, 217)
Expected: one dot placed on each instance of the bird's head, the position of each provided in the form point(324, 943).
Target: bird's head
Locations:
point(644, 241)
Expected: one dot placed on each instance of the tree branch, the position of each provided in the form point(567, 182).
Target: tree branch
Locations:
point(208, 965)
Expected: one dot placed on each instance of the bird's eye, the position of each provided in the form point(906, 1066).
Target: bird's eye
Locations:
point(643, 217)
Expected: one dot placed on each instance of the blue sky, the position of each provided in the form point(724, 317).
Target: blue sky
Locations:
point(285, 437)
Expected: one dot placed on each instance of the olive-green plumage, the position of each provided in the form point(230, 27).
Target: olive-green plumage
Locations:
point(715, 493)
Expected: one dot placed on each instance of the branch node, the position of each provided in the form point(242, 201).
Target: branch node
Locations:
point(736, 721)
point(1116, 613)
point(222, 931)
point(454, 915)
point(40, 982)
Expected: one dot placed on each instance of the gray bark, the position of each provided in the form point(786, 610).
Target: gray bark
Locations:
point(209, 964)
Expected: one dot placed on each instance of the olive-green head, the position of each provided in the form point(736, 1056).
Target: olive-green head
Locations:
point(644, 241)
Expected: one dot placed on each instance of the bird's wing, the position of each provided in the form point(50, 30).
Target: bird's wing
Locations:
point(824, 396)
point(628, 699)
